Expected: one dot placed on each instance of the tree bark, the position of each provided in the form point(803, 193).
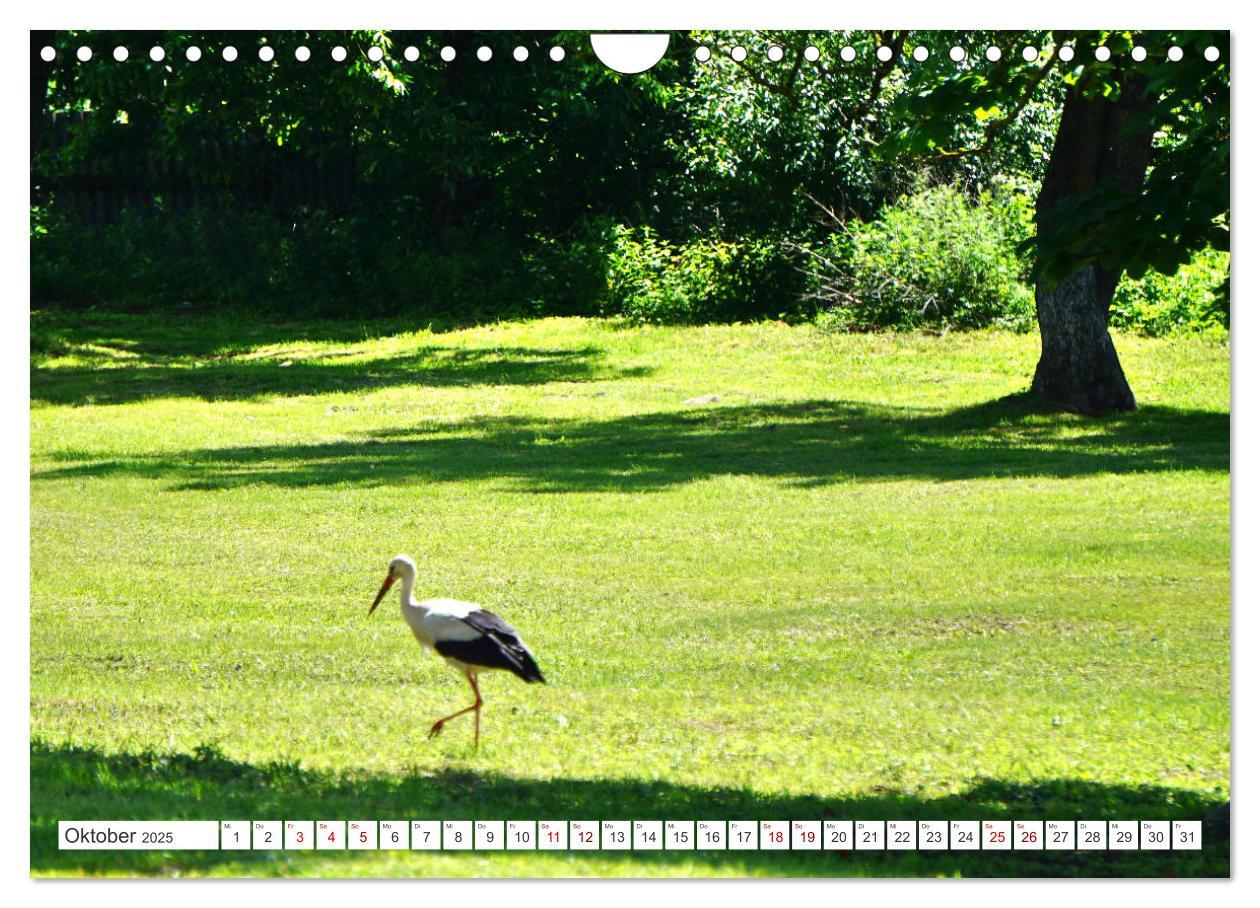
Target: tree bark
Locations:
point(1100, 142)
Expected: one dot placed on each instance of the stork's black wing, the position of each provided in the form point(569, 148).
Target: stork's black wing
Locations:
point(496, 646)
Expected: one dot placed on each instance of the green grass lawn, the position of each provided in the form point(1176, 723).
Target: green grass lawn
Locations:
point(865, 582)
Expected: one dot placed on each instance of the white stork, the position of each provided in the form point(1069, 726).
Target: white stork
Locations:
point(470, 639)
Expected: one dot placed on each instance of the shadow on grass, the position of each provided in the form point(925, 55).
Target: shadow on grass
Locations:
point(812, 442)
point(83, 784)
point(195, 333)
point(121, 359)
point(242, 379)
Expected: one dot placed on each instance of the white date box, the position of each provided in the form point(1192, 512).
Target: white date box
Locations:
point(649, 835)
point(1187, 835)
point(583, 835)
point(268, 834)
point(361, 835)
point(488, 835)
point(234, 835)
point(393, 835)
point(330, 835)
point(838, 835)
point(299, 835)
point(964, 835)
point(775, 835)
point(553, 835)
point(426, 835)
point(1029, 835)
point(933, 835)
point(1122, 835)
point(868, 835)
point(995, 835)
point(806, 835)
point(1060, 835)
point(614, 835)
point(711, 835)
point(1156, 835)
point(522, 835)
point(680, 835)
point(1091, 835)
point(899, 835)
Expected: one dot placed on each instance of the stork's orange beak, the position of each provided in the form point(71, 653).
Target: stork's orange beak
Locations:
point(389, 581)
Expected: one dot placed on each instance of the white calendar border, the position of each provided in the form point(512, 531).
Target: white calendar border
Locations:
point(642, 14)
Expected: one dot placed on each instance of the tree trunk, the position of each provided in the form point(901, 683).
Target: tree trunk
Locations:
point(1100, 142)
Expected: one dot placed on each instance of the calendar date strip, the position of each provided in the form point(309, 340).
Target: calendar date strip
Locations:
point(630, 835)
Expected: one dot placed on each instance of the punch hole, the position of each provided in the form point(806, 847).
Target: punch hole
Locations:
point(920, 53)
point(84, 54)
point(739, 54)
point(229, 54)
point(774, 54)
point(1212, 53)
point(957, 54)
point(884, 54)
point(339, 54)
point(193, 54)
point(1066, 53)
point(47, 53)
point(411, 54)
point(848, 54)
point(484, 54)
point(376, 54)
point(302, 53)
point(703, 54)
point(1031, 54)
point(121, 53)
point(266, 53)
point(1138, 53)
point(157, 54)
point(1175, 54)
point(630, 53)
point(812, 53)
point(1102, 54)
point(993, 53)
point(557, 54)
point(520, 54)
point(448, 53)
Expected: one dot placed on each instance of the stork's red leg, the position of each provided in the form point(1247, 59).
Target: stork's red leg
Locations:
point(436, 729)
point(476, 713)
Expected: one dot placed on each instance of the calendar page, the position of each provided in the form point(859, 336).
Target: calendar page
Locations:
point(518, 453)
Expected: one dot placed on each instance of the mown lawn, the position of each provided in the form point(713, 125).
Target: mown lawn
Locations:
point(864, 582)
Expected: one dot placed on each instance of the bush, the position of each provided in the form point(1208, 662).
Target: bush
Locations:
point(650, 279)
point(934, 258)
point(1193, 300)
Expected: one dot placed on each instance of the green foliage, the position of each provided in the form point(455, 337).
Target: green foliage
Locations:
point(316, 264)
point(487, 190)
point(1193, 299)
point(653, 280)
point(934, 258)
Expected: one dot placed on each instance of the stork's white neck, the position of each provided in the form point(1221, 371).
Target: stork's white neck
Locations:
point(407, 583)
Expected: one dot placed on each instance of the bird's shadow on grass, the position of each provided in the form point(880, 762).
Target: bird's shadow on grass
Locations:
point(74, 783)
point(804, 443)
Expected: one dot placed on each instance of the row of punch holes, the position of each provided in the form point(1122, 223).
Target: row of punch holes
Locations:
point(703, 54)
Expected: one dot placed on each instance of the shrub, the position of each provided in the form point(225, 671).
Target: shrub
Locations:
point(1195, 299)
point(650, 279)
point(933, 258)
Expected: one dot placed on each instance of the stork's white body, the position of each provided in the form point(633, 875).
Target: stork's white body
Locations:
point(432, 620)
